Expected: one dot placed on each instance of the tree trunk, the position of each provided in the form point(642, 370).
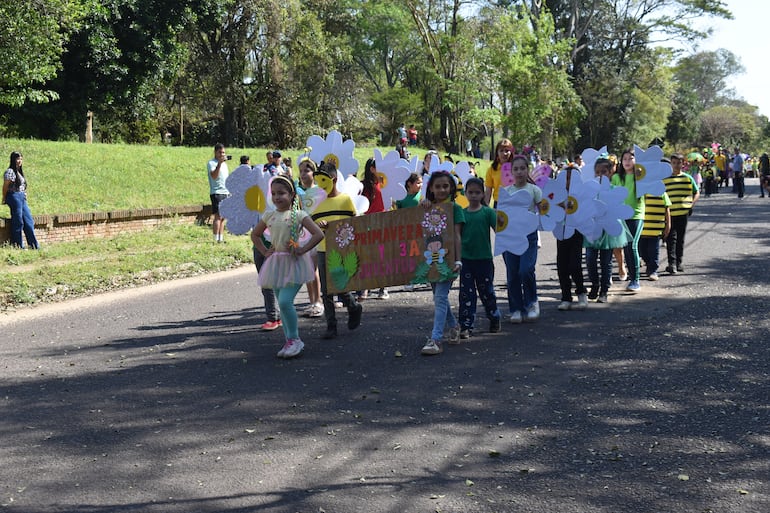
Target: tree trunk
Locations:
point(89, 137)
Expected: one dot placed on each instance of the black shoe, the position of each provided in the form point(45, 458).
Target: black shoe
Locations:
point(329, 334)
point(494, 325)
point(679, 269)
point(354, 317)
point(670, 270)
point(594, 292)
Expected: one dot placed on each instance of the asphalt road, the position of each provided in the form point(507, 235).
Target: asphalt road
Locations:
point(168, 398)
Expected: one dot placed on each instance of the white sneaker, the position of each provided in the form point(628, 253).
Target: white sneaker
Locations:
point(317, 310)
point(431, 347)
point(384, 294)
point(582, 302)
point(293, 347)
point(565, 305)
point(516, 317)
point(533, 312)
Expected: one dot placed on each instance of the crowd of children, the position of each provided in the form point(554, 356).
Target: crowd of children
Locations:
point(287, 263)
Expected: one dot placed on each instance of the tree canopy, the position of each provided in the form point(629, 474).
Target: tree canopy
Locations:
point(561, 75)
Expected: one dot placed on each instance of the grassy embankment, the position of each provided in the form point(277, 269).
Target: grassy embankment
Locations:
point(68, 177)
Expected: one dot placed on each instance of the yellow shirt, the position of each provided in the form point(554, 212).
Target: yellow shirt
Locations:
point(494, 180)
point(721, 162)
point(332, 209)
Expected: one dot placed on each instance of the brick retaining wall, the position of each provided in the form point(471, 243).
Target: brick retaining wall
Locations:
point(50, 229)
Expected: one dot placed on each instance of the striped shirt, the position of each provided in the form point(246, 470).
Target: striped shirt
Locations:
point(655, 215)
point(680, 189)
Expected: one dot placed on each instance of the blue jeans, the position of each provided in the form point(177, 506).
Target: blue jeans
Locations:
point(477, 275)
point(268, 295)
point(649, 251)
point(631, 251)
point(604, 256)
point(520, 274)
point(21, 220)
point(442, 313)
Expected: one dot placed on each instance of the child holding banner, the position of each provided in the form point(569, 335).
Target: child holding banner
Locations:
point(443, 189)
point(336, 206)
point(288, 265)
point(478, 270)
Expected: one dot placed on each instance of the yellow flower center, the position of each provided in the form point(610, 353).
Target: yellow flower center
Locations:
point(331, 157)
point(255, 199)
point(545, 207)
point(572, 205)
point(502, 221)
point(640, 172)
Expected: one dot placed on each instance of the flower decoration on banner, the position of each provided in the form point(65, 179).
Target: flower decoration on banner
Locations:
point(551, 206)
point(541, 175)
point(514, 221)
point(249, 198)
point(393, 172)
point(434, 221)
point(333, 149)
point(650, 171)
point(580, 206)
point(589, 156)
point(345, 235)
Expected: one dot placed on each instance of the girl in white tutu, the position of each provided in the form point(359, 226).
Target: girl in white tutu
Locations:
point(288, 265)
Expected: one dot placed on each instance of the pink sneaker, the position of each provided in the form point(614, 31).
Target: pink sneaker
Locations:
point(271, 325)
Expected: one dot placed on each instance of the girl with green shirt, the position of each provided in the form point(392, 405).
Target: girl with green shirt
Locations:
point(626, 177)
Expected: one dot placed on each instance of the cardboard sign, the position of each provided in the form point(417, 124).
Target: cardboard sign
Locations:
point(411, 245)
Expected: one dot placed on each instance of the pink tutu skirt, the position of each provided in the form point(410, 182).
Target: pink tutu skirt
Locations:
point(283, 269)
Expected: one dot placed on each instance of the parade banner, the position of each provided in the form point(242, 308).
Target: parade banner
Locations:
point(407, 246)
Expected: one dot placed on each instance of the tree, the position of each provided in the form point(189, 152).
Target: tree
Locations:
point(33, 35)
point(706, 74)
point(732, 125)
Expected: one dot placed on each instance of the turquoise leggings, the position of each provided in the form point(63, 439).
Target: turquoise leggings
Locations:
point(285, 297)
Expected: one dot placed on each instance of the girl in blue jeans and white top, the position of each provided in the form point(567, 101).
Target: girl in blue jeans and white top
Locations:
point(520, 269)
point(443, 189)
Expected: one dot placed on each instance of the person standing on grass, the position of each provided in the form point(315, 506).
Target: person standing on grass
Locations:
point(15, 196)
point(683, 193)
point(217, 172)
point(288, 265)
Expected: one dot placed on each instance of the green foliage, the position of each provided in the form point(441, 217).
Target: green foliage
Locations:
point(341, 268)
point(32, 37)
